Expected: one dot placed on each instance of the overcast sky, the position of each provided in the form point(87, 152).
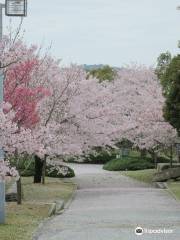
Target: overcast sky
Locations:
point(114, 32)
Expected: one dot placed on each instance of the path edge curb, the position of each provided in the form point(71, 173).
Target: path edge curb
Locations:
point(56, 208)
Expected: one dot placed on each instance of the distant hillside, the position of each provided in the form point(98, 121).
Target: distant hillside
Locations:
point(92, 67)
point(88, 67)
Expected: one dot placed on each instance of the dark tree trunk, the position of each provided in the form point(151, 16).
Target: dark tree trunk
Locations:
point(178, 153)
point(143, 153)
point(154, 157)
point(19, 191)
point(44, 170)
point(155, 160)
point(38, 170)
point(171, 157)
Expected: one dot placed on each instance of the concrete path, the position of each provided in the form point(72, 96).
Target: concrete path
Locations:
point(109, 206)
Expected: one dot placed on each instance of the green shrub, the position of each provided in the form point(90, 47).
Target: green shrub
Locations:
point(25, 165)
point(23, 162)
point(52, 171)
point(99, 157)
point(163, 159)
point(129, 163)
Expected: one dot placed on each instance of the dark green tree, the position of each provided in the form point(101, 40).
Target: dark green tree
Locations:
point(170, 80)
point(163, 62)
point(104, 73)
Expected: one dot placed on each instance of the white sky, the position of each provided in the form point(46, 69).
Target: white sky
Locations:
point(114, 32)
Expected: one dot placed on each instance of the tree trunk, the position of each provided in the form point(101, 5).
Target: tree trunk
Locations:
point(143, 153)
point(44, 170)
point(38, 170)
point(154, 157)
point(19, 191)
point(178, 153)
point(155, 160)
point(171, 157)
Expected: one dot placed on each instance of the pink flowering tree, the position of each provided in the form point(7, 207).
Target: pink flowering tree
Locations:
point(20, 65)
point(15, 140)
point(81, 113)
point(71, 117)
point(138, 107)
point(68, 113)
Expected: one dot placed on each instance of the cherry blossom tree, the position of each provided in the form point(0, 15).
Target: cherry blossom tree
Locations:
point(65, 112)
point(13, 138)
point(68, 116)
point(81, 113)
point(138, 106)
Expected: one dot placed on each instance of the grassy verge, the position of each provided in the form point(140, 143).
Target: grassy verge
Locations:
point(147, 175)
point(175, 189)
point(141, 175)
point(21, 221)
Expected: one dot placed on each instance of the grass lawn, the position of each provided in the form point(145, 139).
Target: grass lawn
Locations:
point(141, 175)
point(175, 188)
point(147, 175)
point(22, 220)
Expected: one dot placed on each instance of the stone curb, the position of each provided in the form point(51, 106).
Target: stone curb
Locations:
point(161, 185)
point(68, 203)
point(164, 185)
point(56, 208)
point(171, 193)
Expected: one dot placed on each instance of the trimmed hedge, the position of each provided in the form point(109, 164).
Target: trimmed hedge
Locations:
point(129, 163)
point(134, 162)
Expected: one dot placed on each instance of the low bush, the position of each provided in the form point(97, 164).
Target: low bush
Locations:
point(51, 171)
point(99, 157)
point(163, 159)
point(96, 156)
point(25, 165)
point(60, 172)
point(129, 163)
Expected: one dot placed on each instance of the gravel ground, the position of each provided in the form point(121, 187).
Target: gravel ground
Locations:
point(110, 206)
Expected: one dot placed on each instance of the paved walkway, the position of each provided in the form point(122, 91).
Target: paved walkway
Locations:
point(109, 206)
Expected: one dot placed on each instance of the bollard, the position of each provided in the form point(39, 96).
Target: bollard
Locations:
point(2, 202)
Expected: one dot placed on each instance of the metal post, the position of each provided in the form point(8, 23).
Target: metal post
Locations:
point(1, 20)
point(2, 202)
point(2, 182)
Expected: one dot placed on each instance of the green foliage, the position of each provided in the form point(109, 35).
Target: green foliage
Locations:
point(133, 162)
point(25, 165)
point(129, 163)
point(100, 157)
point(104, 73)
point(170, 80)
point(163, 62)
point(52, 171)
